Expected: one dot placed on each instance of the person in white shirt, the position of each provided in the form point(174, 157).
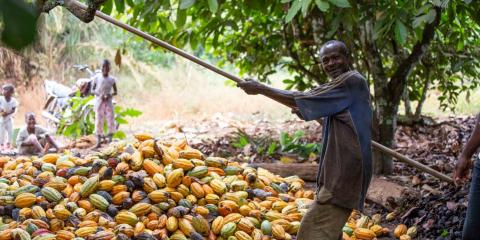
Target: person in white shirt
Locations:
point(8, 106)
point(104, 88)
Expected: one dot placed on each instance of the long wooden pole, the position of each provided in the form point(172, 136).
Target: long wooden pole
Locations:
point(236, 79)
point(411, 162)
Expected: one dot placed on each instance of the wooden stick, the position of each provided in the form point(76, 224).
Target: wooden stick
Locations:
point(411, 162)
point(236, 79)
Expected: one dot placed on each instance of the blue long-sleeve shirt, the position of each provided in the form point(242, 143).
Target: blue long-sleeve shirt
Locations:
point(345, 167)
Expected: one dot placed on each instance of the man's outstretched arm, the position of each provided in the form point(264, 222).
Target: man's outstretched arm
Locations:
point(284, 97)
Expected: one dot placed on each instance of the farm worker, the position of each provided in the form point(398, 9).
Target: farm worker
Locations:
point(104, 88)
point(463, 165)
point(33, 139)
point(345, 167)
point(8, 106)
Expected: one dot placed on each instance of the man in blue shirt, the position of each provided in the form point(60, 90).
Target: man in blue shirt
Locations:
point(345, 167)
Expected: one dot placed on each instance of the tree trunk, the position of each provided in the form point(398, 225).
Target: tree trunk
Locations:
point(406, 102)
point(385, 123)
point(418, 110)
point(385, 113)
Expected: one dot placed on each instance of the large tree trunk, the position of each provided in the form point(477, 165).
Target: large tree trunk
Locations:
point(385, 123)
point(385, 113)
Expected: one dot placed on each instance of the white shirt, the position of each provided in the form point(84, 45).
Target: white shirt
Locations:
point(7, 107)
point(103, 85)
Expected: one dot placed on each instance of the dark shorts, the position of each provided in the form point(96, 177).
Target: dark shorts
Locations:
point(323, 221)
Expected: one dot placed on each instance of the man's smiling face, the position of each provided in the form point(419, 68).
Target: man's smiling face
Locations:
point(334, 59)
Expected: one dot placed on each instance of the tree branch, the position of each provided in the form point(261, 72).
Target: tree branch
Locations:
point(84, 15)
point(298, 64)
point(373, 58)
point(399, 78)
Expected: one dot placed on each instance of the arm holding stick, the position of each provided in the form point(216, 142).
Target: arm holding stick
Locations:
point(465, 162)
point(284, 97)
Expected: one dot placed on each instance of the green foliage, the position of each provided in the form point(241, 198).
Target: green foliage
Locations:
point(79, 119)
point(241, 139)
point(263, 37)
point(445, 233)
point(18, 23)
point(293, 144)
point(285, 145)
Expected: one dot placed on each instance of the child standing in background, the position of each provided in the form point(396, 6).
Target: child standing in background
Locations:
point(105, 88)
point(8, 106)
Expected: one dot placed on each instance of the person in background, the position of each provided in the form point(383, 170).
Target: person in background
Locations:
point(33, 139)
point(8, 106)
point(104, 88)
point(463, 165)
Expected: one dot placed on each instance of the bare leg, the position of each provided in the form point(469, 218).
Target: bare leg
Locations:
point(3, 130)
point(51, 141)
point(32, 139)
point(109, 115)
point(99, 120)
point(9, 128)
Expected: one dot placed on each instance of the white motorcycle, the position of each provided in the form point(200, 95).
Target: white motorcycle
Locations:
point(58, 96)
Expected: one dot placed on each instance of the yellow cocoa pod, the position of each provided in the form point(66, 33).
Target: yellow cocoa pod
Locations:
point(159, 180)
point(241, 235)
point(172, 224)
point(212, 198)
point(136, 162)
point(120, 197)
point(127, 218)
point(141, 209)
point(184, 190)
point(282, 222)
point(278, 232)
point(139, 228)
point(377, 229)
point(25, 200)
point(190, 154)
point(245, 225)
point(185, 226)
point(87, 223)
point(158, 196)
point(232, 217)
point(106, 185)
point(85, 231)
point(149, 185)
point(50, 158)
point(400, 230)
point(217, 225)
point(38, 212)
point(148, 152)
point(202, 211)
point(61, 212)
point(182, 163)
point(405, 237)
point(391, 216)
point(364, 234)
point(363, 222)
point(64, 235)
point(197, 190)
point(412, 231)
point(143, 136)
point(218, 186)
point(151, 167)
point(174, 178)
